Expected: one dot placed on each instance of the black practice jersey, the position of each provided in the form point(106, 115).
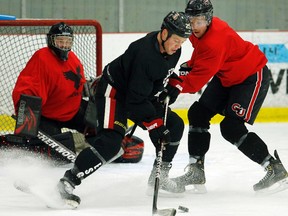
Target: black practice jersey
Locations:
point(140, 73)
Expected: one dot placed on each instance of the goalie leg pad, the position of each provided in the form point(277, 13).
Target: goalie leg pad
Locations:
point(36, 146)
point(64, 138)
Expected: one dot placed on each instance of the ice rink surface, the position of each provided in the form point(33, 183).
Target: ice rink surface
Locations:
point(120, 189)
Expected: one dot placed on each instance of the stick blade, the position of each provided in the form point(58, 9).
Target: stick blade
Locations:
point(165, 212)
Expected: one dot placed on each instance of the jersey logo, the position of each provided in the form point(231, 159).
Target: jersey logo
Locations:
point(240, 111)
point(70, 75)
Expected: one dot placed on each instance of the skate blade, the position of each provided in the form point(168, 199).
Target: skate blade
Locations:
point(275, 188)
point(196, 189)
point(62, 204)
point(163, 193)
point(51, 200)
point(165, 212)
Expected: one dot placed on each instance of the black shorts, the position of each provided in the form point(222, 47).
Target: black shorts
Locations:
point(53, 127)
point(242, 101)
point(110, 107)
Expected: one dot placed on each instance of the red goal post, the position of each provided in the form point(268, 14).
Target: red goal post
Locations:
point(19, 39)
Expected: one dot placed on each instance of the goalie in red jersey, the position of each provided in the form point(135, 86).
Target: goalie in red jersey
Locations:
point(239, 82)
point(56, 76)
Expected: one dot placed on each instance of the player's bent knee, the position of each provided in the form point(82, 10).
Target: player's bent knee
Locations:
point(175, 124)
point(232, 129)
point(199, 115)
point(107, 143)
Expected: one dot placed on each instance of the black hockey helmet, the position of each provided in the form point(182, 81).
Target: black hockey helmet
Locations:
point(177, 23)
point(200, 8)
point(59, 29)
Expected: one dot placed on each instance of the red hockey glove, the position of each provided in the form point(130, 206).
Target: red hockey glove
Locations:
point(173, 89)
point(158, 132)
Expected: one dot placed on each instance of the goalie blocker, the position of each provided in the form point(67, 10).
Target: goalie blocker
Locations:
point(28, 116)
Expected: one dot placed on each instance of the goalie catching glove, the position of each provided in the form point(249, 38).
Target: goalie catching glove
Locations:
point(133, 150)
point(158, 133)
point(173, 89)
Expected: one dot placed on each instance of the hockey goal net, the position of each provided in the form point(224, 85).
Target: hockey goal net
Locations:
point(19, 39)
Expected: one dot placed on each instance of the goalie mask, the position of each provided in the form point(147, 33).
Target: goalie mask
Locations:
point(60, 40)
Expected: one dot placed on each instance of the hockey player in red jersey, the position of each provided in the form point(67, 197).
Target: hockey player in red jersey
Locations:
point(239, 81)
point(129, 88)
point(55, 74)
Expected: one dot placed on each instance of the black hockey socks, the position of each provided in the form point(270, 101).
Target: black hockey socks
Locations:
point(170, 151)
point(254, 148)
point(87, 162)
point(198, 141)
point(104, 147)
point(70, 176)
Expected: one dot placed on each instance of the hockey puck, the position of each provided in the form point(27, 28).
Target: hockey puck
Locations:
point(183, 209)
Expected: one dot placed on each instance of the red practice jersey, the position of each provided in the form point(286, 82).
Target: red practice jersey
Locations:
point(58, 83)
point(223, 53)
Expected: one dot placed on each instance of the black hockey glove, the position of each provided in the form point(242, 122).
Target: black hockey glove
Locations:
point(173, 89)
point(184, 69)
point(158, 132)
point(90, 86)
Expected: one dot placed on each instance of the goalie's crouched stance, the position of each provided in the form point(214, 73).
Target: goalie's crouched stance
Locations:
point(26, 134)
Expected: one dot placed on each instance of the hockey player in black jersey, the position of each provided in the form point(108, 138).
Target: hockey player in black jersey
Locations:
point(128, 89)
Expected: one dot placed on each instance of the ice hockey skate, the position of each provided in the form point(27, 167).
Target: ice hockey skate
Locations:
point(66, 192)
point(275, 180)
point(194, 179)
point(167, 187)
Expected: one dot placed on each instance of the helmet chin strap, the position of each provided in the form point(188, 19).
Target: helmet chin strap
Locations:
point(163, 41)
point(163, 45)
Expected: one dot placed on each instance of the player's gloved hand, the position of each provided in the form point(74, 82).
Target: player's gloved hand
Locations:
point(158, 132)
point(184, 69)
point(173, 89)
point(90, 86)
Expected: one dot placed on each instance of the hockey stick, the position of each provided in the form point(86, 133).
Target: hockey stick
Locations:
point(155, 210)
point(48, 140)
point(130, 131)
point(60, 148)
